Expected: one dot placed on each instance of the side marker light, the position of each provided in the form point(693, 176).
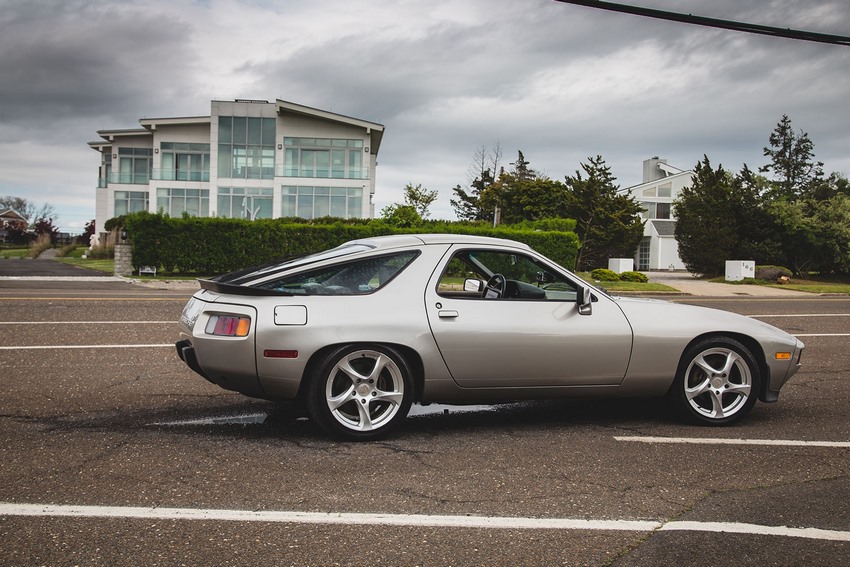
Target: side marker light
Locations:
point(270, 353)
point(783, 356)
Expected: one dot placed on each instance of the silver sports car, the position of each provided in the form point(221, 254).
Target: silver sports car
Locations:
point(360, 332)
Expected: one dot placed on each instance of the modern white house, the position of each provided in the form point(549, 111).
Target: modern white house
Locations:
point(658, 249)
point(249, 159)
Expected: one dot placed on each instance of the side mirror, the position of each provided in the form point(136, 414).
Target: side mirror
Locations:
point(585, 301)
point(472, 284)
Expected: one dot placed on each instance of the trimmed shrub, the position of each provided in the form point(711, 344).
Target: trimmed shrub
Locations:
point(193, 245)
point(771, 273)
point(634, 277)
point(605, 275)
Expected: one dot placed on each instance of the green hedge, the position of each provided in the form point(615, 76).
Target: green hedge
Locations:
point(192, 245)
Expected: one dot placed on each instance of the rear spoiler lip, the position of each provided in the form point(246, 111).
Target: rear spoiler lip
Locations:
point(236, 289)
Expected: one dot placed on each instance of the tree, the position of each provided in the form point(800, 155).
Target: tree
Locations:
point(755, 226)
point(45, 226)
point(795, 172)
point(420, 199)
point(518, 194)
point(704, 232)
point(401, 216)
point(608, 223)
point(28, 209)
point(88, 232)
point(815, 234)
point(412, 210)
point(467, 204)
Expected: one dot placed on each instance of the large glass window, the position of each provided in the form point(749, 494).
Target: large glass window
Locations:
point(311, 202)
point(130, 202)
point(175, 202)
point(507, 275)
point(325, 158)
point(182, 161)
point(245, 202)
point(134, 165)
point(246, 147)
point(356, 277)
point(656, 210)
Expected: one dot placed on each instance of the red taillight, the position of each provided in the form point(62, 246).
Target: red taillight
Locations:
point(228, 326)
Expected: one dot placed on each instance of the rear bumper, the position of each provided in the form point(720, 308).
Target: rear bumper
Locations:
point(186, 352)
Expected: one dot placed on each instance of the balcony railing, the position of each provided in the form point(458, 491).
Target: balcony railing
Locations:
point(321, 173)
point(129, 178)
point(180, 175)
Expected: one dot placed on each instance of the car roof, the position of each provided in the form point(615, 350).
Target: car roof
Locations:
point(400, 240)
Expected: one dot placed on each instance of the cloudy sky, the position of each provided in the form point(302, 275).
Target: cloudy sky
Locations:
point(445, 77)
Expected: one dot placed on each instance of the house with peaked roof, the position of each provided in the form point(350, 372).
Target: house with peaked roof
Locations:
point(11, 219)
point(658, 250)
point(248, 159)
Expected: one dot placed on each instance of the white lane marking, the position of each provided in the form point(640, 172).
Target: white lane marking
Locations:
point(410, 520)
point(721, 441)
point(88, 322)
point(802, 315)
point(823, 335)
point(414, 520)
point(756, 529)
point(60, 347)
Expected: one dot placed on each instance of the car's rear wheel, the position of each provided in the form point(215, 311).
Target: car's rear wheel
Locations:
point(361, 392)
point(716, 383)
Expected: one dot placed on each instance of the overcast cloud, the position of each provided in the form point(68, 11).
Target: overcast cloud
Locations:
point(556, 81)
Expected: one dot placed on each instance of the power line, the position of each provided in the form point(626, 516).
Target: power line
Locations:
point(713, 22)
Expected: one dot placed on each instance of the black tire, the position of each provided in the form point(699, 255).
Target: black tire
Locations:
point(361, 392)
point(717, 382)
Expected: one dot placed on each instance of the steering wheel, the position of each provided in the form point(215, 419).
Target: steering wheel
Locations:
point(495, 287)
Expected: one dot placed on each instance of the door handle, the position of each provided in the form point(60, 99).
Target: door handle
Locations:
point(447, 314)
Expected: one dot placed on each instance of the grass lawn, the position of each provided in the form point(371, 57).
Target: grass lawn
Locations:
point(14, 252)
point(815, 286)
point(614, 287)
point(811, 285)
point(107, 266)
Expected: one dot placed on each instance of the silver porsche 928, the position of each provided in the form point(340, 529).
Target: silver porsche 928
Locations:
point(360, 332)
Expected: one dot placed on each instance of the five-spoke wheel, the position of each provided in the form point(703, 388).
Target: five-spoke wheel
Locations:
point(361, 391)
point(717, 382)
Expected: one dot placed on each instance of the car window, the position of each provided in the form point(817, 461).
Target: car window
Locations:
point(355, 277)
point(526, 277)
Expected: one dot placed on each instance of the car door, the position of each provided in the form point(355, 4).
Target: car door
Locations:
point(537, 338)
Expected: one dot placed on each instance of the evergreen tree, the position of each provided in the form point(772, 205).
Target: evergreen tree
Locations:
point(608, 223)
point(705, 227)
point(795, 172)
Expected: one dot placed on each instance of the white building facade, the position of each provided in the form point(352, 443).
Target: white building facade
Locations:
point(247, 159)
point(661, 185)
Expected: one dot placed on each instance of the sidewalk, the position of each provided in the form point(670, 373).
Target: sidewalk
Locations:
point(688, 284)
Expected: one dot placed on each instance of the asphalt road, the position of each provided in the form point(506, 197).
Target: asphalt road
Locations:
point(96, 410)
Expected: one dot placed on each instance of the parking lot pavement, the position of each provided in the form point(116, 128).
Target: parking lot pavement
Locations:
point(112, 452)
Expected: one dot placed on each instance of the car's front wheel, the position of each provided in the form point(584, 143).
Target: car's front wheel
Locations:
point(717, 382)
point(361, 392)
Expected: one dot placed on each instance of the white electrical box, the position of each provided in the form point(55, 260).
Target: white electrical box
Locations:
point(621, 265)
point(737, 270)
